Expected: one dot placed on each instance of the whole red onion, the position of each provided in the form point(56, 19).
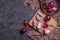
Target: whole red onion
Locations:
point(51, 4)
point(47, 18)
point(45, 5)
point(25, 22)
point(23, 30)
point(45, 25)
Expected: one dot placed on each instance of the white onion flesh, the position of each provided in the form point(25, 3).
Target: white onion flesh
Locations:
point(47, 31)
point(39, 25)
point(54, 9)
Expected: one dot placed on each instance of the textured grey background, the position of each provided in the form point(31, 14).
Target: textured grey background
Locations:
point(12, 14)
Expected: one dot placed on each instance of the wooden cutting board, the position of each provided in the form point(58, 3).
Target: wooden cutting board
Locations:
point(52, 21)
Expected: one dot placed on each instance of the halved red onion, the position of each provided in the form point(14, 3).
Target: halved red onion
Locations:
point(46, 31)
point(54, 9)
point(37, 17)
point(34, 23)
point(39, 25)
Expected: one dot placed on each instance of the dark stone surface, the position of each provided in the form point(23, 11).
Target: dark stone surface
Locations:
point(12, 14)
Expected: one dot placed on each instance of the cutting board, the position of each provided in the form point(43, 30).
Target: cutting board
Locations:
point(52, 21)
